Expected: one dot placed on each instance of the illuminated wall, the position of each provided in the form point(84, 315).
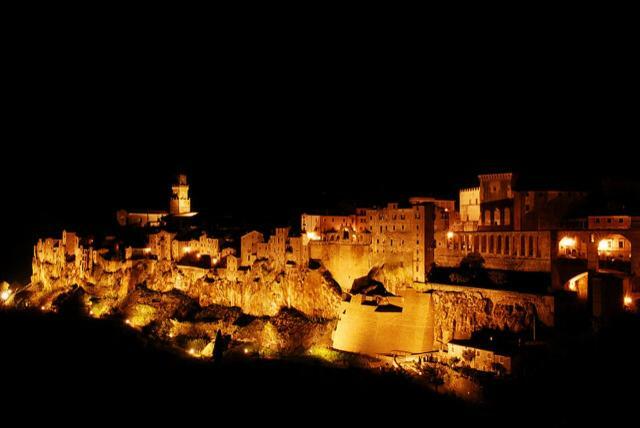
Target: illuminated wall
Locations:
point(395, 324)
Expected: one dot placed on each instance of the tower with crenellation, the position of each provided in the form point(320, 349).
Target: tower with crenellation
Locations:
point(180, 202)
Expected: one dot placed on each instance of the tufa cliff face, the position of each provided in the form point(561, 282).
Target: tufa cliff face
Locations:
point(461, 311)
point(260, 291)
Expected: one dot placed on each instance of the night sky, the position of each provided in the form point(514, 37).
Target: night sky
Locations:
point(269, 127)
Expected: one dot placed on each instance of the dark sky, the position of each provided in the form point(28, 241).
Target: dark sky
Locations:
point(270, 124)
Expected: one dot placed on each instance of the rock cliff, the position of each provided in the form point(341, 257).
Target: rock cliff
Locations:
point(260, 291)
point(461, 311)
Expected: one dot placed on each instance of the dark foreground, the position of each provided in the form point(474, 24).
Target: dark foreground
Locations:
point(82, 371)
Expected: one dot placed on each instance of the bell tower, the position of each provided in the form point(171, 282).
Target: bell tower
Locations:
point(180, 202)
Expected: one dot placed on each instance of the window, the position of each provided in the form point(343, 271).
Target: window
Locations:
point(531, 246)
point(620, 244)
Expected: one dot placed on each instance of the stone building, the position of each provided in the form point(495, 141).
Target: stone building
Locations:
point(280, 248)
point(481, 357)
point(160, 244)
point(180, 203)
point(179, 206)
point(249, 247)
point(526, 230)
point(470, 205)
point(196, 248)
point(395, 235)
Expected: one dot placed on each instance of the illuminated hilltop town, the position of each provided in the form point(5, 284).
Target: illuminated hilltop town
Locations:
point(485, 274)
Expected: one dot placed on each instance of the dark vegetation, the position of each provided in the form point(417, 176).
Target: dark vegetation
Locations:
point(55, 364)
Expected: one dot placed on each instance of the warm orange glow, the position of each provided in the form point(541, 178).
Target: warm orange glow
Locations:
point(450, 234)
point(246, 351)
point(192, 351)
point(313, 236)
point(567, 242)
point(128, 321)
point(5, 295)
point(628, 300)
point(186, 249)
point(198, 256)
point(572, 286)
point(147, 250)
point(604, 245)
point(215, 261)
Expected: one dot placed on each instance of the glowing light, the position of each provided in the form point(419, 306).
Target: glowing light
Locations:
point(186, 250)
point(198, 256)
point(567, 242)
point(147, 250)
point(5, 295)
point(246, 351)
point(604, 245)
point(192, 351)
point(450, 234)
point(313, 236)
point(572, 286)
point(215, 261)
point(628, 300)
point(128, 321)
point(42, 308)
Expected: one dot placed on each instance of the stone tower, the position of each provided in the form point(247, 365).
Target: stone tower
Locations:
point(180, 202)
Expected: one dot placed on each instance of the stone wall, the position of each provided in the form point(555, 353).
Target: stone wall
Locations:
point(397, 324)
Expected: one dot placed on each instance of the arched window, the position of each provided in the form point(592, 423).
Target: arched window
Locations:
point(496, 217)
point(507, 216)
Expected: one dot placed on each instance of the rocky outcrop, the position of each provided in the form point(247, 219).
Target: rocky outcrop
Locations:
point(262, 290)
point(393, 276)
point(461, 311)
